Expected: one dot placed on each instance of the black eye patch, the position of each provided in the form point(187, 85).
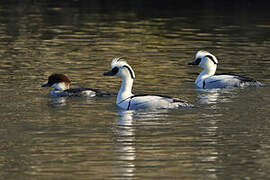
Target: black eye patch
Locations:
point(197, 61)
point(115, 70)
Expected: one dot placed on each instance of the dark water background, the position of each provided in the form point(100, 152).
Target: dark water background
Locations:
point(225, 137)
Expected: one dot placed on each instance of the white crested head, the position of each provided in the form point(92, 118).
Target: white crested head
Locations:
point(118, 62)
point(120, 68)
point(205, 60)
point(207, 56)
point(201, 54)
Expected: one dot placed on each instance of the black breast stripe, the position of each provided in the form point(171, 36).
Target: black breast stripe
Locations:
point(125, 99)
point(204, 83)
point(129, 104)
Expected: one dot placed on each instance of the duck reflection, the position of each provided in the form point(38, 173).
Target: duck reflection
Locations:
point(213, 96)
point(58, 101)
point(125, 145)
point(64, 101)
point(125, 138)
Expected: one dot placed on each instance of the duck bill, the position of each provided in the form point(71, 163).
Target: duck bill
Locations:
point(109, 73)
point(45, 85)
point(192, 63)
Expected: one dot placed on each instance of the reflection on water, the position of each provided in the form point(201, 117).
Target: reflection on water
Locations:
point(225, 137)
point(58, 101)
point(131, 130)
point(213, 96)
point(125, 134)
point(64, 101)
point(125, 151)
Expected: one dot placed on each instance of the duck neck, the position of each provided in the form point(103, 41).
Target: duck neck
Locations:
point(206, 73)
point(60, 86)
point(125, 90)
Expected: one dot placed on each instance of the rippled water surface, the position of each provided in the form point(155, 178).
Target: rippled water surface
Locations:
point(226, 136)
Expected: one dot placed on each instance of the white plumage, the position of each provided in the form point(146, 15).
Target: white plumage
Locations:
point(127, 100)
point(207, 78)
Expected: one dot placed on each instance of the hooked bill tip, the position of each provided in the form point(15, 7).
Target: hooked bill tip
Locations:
point(107, 73)
point(45, 85)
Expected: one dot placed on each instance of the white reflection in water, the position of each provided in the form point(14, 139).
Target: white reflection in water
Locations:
point(125, 145)
point(125, 132)
point(126, 117)
point(58, 101)
point(63, 101)
point(213, 96)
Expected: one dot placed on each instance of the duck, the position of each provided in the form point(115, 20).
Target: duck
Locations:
point(207, 78)
point(61, 88)
point(128, 101)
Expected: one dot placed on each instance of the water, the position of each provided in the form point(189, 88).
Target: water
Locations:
point(225, 137)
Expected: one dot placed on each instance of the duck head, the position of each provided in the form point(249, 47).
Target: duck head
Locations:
point(205, 60)
point(58, 81)
point(119, 67)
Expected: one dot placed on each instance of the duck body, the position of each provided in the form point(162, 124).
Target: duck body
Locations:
point(208, 80)
point(61, 88)
point(225, 81)
point(149, 101)
point(127, 100)
point(79, 92)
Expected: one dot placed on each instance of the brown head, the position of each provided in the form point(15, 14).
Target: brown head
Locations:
point(56, 79)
